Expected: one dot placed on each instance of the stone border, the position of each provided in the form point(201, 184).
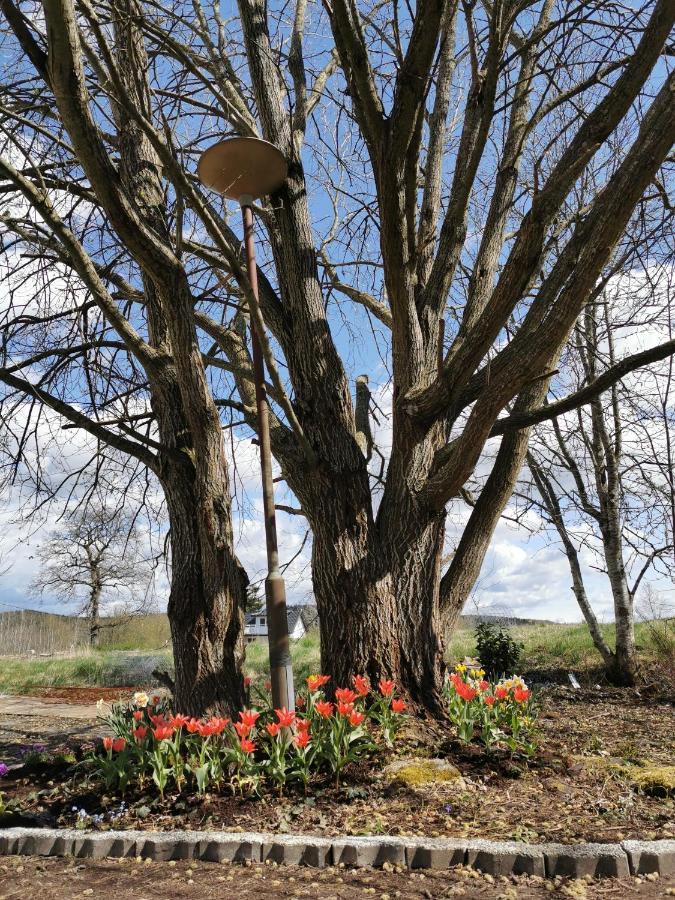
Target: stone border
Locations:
point(493, 857)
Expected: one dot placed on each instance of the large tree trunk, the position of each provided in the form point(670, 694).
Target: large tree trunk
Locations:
point(376, 591)
point(205, 606)
point(208, 586)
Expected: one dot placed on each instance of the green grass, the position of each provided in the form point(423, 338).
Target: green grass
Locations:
point(305, 652)
point(546, 646)
point(109, 669)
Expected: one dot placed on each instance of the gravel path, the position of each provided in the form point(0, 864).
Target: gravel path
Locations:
point(31, 721)
point(63, 879)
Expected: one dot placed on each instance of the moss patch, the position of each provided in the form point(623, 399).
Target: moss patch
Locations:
point(416, 772)
point(650, 777)
point(659, 780)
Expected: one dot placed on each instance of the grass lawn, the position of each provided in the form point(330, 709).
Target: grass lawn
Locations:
point(546, 647)
point(102, 668)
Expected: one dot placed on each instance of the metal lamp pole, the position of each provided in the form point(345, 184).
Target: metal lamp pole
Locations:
point(243, 169)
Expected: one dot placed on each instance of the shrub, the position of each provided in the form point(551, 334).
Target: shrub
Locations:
point(151, 745)
point(498, 713)
point(497, 651)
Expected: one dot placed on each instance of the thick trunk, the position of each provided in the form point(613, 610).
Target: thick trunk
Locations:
point(205, 606)
point(377, 597)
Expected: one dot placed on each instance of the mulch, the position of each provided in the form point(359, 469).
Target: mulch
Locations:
point(571, 791)
point(82, 695)
point(63, 879)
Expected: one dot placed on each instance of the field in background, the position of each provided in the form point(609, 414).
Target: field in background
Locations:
point(31, 631)
point(132, 650)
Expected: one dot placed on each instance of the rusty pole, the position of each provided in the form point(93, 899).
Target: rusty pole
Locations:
point(281, 671)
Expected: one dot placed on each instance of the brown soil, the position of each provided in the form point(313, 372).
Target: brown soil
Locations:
point(18, 733)
point(82, 695)
point(575, 789)
point(63, 879)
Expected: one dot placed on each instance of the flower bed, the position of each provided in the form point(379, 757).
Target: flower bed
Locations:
point(264, 747)
point(500, 714)
point(581, 784)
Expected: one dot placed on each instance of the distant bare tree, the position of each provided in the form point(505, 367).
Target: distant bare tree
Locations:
point(604, 474)
point(96, 562)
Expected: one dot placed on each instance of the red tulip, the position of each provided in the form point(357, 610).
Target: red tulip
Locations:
point(247, 680)
point(489, 700)
point(314, 682)
point(520, 695)
point(249, 717)
point(345, 695)
point(362, 685)
point(119, 744)
point(386, 687)
point(398, 706)
point(284, 717)
point(178, 721)
point(302, 724)
point(242, 729)
point(138, 714)
point(140, 732)
point(247, 746)
point(465, 691)
point(107, 743)
point(356, 718)
point(273, 729)
point(501, 693)
point(302, 739)
point(324, 708)
point(345, 709)
point(483, 685)
point(162, 732)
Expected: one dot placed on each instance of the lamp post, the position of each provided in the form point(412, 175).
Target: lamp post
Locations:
point(243, 169)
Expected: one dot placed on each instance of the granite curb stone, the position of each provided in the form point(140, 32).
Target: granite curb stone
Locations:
point(369, 851)
point(298, 850)
point(578, 860)
point(645, 857)
point(433, 853)
point(492, 857)
point(505, 857)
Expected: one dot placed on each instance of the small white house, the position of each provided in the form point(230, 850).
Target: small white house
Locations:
point(300, 619)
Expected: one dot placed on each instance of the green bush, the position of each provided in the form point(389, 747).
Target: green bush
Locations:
point(498, 652)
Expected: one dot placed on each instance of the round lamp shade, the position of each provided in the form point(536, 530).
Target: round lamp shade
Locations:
point(241, 166)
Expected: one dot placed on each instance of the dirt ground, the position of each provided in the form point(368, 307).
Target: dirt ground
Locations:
point(63, 879)
point(580, 786)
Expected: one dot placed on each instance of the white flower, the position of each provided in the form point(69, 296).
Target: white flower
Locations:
point(141, 698)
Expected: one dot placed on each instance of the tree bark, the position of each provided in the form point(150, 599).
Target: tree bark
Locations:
point(94, 616)
point(552, 506)
point(376, 591)
point(205, 606)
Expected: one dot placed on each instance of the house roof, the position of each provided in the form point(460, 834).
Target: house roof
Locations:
point(294, 614)
point(304, 612)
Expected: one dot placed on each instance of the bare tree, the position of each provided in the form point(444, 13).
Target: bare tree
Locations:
point(604, 475)
point(96, 562)
point(433, 156)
